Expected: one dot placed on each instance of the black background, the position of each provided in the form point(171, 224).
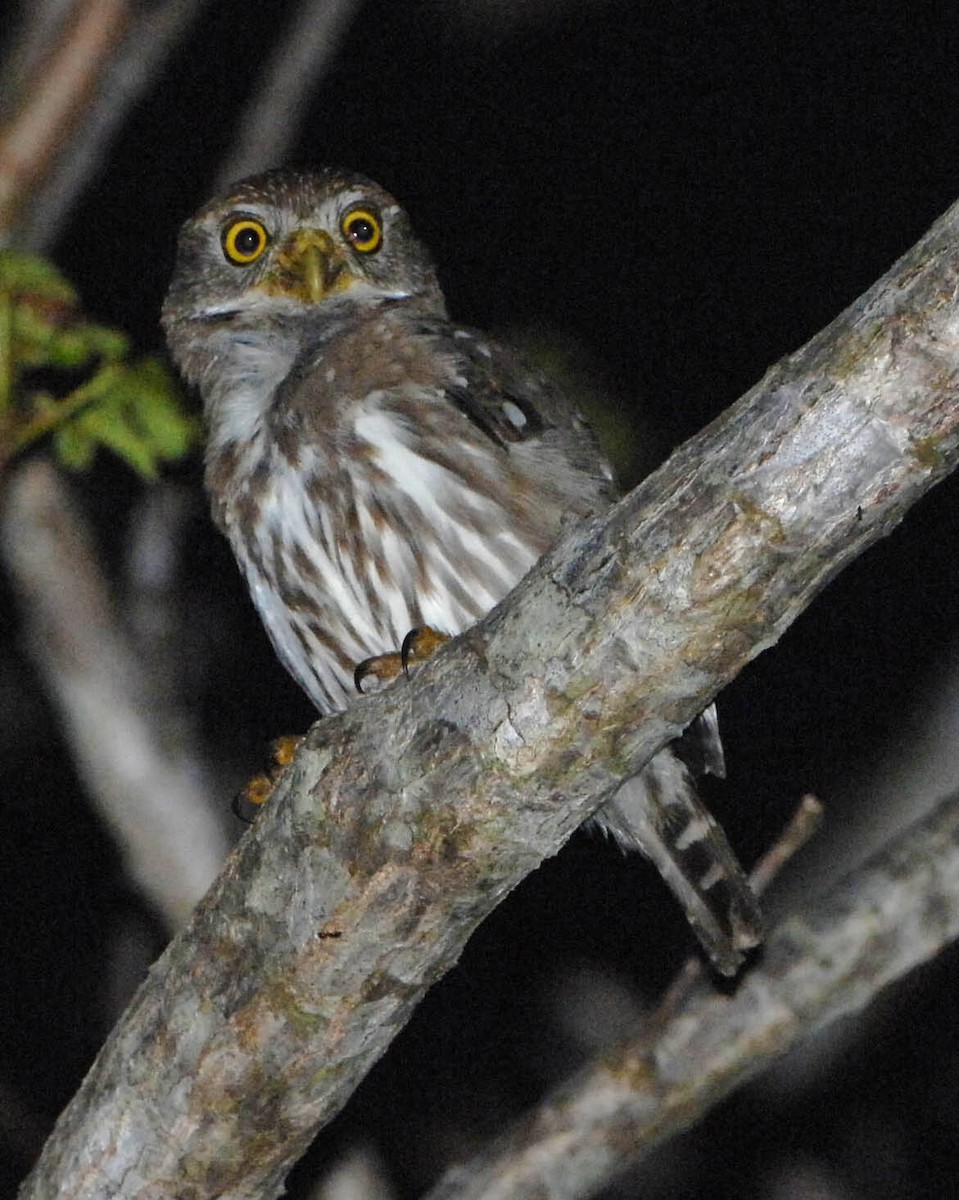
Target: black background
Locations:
point(683, 193)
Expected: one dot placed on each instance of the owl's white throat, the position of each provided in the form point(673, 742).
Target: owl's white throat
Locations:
point(248, 367)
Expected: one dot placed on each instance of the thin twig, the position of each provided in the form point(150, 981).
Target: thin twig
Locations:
point(56, 168)
point(270, 124)
point(803, 825)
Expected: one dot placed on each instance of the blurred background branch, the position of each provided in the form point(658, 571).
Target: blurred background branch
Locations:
point(825, 962)
point(269, 126)
point(152, 791)
point(72, 79)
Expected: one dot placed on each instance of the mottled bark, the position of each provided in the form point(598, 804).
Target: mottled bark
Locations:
point(403, 821)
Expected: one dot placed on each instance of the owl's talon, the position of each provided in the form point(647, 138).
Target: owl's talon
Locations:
point(284, 747)
point(251, 797)
point(373, 673)
point(254, 794)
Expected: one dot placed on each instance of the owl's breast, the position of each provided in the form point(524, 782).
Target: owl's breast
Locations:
point(366, 504)
point(343, 558)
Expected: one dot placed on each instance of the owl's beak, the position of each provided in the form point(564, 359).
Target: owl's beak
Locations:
point(313, 265)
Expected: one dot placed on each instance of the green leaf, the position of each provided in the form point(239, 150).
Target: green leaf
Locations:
point(49, 328)
point(131, 407)
point(133, 410)
point(25, 273)
point(159, 413)
point(74, 447)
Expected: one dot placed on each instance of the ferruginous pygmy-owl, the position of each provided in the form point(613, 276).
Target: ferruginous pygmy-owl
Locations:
point(378, 468)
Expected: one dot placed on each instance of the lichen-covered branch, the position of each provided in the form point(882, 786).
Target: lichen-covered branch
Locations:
point(403, 821)
point(892, 914)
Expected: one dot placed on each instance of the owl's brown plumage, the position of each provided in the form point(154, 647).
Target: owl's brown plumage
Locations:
point(378, 468)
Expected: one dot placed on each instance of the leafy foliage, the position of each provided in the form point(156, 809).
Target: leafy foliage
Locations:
point(130, 406)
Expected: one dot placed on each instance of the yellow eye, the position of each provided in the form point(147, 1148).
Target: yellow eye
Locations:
point(362, 230)
point(244, 240)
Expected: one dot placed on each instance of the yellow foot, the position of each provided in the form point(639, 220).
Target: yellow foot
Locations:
point(283, 748)
point(255, 794)
point(418, 645)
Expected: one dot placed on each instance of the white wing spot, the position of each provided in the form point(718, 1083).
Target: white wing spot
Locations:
point(514, 414)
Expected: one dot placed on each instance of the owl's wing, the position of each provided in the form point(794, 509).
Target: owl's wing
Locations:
point(516, 405)
point(498, 391)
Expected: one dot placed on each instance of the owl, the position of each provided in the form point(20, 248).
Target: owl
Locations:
point(378, 468)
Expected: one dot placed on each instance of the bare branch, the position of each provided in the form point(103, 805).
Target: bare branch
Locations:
point(150, 794)
point(271, 122)
point(49, 108)
point(58, 137)
point(402, 822)
point(32, 40)
point(892, 914)
point(804, 823)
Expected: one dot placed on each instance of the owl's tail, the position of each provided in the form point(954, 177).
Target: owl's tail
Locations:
point(659, 813)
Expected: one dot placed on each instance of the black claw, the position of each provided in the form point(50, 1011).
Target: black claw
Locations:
point(362, 670)
point(235, 806)
point(407, 648)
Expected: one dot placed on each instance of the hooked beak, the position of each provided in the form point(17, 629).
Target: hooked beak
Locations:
point(313, 266)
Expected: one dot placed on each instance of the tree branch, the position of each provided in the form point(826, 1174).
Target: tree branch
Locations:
point(403, 821)
point(893, 913)
point(271, 122)
point(49, 108)
point(103, 59)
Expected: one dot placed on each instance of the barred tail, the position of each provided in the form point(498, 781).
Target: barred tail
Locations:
point(659, 813)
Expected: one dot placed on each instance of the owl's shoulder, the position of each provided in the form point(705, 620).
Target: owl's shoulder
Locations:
point(497, 387)
point(520, 407)
point(433, 372)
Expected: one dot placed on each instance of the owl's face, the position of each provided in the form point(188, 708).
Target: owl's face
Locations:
point(286, 243)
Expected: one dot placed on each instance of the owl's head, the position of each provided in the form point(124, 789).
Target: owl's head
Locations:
point(287, 242)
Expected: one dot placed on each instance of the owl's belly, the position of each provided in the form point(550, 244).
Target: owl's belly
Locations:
point(321, 630)
point(339, 581)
